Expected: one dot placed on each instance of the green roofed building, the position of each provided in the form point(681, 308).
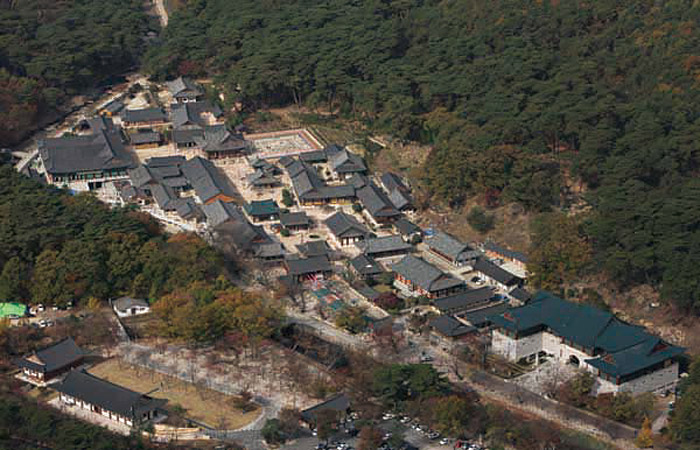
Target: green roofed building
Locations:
point(262, 210)
point(624, 357)
point(12, 310)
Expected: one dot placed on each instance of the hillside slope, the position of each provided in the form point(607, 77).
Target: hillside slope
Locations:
point(52, 49)
point(508, 92)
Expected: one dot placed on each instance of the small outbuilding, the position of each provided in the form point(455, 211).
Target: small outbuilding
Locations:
point(127, 306)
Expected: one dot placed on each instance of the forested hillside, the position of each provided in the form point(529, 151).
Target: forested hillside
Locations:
point(515, 95)
point(53, 48)
point(55, 248)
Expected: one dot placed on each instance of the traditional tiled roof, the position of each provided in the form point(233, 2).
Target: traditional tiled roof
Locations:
point(163, 161)
point(296, 167)
point(187, 208)
point(400, 199)
point(447, 245)
point(625, 348)
point(399, 194)
point(114, 106)
point(343, 191)
point(147, 137)
point(97, 123)
point(293, 219)
point(314, 248)
point(345, 225)
point(164, 196)
point(309, 186)
point(103, 150)
point(317, 156)
point(365, 265)
point(192, 114)
point(376, 202)
point(184, 87)
point(347, 162)
point(144, 115)
point(465, 301)
point(260, 178)
point(482, 316)
point(384, 244)
point(141, 176)
point(520, 294)
point(424, 274)
point(206, 179)
point(406, 227)
point(231, 223)
point(492, 246)
point(358, 180)
point(392, 181)
point(450, 327)
point(219, 212)
point(270, 250)
point(54, 357)
point(187, 136)
point(164, 172)
point(217, 138)
point(491, 270)
point(286, 161)
point(111, 397)
point(305, 266)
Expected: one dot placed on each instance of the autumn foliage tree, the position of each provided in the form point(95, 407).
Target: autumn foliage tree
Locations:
point(201, 314)
point(645, 438)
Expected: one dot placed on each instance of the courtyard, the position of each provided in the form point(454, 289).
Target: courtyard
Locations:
point(203, 405)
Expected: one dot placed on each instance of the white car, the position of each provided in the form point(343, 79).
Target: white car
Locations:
point(444, 441)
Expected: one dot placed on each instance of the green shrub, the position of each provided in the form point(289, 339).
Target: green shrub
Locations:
point(479, 220)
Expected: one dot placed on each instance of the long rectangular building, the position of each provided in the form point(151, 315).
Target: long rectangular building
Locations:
point(85, 162)
point(115, 403)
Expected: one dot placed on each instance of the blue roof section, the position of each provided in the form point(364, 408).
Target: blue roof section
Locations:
point(627, 348)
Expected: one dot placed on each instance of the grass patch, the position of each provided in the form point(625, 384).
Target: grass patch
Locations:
point(42, 394)
point(203, 405)
point(583, 441)
point(382, 288)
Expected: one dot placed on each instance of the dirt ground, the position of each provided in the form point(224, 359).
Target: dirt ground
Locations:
point(203, 405)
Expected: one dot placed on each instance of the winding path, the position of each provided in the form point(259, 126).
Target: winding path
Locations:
point(162, 12)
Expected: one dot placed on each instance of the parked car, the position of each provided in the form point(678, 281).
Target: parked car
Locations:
point(444, 441)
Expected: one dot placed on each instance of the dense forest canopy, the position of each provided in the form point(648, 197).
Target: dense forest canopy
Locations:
point(56, 248)
point(53, 48)
point(519, 99)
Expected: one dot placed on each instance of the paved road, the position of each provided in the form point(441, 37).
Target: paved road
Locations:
point(565, 415)
point(328, 332)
